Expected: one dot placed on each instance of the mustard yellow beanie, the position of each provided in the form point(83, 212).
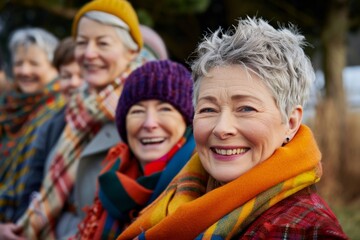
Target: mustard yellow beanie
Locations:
point(119, 8)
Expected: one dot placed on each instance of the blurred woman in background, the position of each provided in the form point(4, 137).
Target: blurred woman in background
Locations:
point(108, 43)
point(34, 99)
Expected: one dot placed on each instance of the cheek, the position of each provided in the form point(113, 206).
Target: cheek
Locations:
point(64, 84)
point(201, 131)
point(133, 126)
point(78, 54)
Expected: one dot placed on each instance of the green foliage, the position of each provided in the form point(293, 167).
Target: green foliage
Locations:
point(144, 17)
point(185, 6)
point(349, 218)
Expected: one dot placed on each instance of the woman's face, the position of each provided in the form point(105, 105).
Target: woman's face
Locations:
point(70, 78)
point(237, 124)
point(100, 53)
point(153, 128)
point(31, 68)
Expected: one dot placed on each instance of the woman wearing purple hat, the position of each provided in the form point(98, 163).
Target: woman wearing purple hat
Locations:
point(154, 118)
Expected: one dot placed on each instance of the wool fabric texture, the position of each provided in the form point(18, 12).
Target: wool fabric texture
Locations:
point(164, 80)
point(124, 189)
point(86, 113)
point(186, 210)
point(119, 8)
point(20, 117)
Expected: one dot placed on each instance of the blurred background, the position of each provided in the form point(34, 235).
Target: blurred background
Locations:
point(332, 28)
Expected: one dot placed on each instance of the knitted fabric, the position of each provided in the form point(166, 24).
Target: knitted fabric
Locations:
point(165, 80)
point(119, 8)
point(20, 116)
point(186, 211)
point(85, 115)
point(124, 189)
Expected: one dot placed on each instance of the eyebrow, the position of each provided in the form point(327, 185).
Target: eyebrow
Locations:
point(234, 97)
point(98, 37)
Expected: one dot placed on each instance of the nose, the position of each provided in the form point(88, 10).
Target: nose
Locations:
point(225, 125)
point(75, 81)
point(90, 51)
point(151, 120)
point(23, 69)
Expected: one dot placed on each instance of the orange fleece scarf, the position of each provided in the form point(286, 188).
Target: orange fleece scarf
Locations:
point(175, 214)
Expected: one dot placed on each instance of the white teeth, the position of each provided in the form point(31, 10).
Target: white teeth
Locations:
point(229, 152)
point(152, 140)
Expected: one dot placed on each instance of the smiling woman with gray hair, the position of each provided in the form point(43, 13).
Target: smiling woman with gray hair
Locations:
point(108, 48)
point(32, 52)
point(256, 166)
point(23, 109)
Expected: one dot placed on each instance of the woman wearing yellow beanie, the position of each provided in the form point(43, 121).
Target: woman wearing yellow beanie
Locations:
point(108, 49)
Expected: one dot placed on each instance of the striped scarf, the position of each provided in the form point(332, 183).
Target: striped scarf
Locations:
point(20, 117)
point(186, 211)
point(124, 189)
point(85, 115)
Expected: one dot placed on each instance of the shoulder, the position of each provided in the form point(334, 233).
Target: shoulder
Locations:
point(302, 215)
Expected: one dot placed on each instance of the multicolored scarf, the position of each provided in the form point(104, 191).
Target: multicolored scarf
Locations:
point(20, 117)
point(124, 189)
point(186, 211)
point(86, 113)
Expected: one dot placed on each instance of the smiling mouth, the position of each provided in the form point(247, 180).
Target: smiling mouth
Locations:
point(229, 152)
point(156, 140)
point(27, 80)
point(91, 67)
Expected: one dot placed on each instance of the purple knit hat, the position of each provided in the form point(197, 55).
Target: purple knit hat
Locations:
point(164, 80)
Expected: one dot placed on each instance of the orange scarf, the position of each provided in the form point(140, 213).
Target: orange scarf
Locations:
point(177, 215)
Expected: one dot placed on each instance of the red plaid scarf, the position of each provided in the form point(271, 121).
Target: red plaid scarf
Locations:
point(85, 115)
point(20, 116)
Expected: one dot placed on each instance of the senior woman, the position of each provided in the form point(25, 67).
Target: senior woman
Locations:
point(48, 133)
point(254, 174)
point(108, 42)
point(33, 100)
point(154, 116)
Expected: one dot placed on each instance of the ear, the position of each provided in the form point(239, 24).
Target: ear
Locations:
point(131, 55)
point(295, 120)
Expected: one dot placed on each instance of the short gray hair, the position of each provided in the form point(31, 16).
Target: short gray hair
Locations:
point(34, 36)
point(276, 56)
point(121, 28)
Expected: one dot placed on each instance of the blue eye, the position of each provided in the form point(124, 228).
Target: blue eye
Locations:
point(246, 109)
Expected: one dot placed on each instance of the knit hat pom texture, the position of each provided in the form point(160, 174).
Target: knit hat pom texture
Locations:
point(164, 80)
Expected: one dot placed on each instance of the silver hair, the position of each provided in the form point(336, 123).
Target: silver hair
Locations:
point(34, 36)
point(276, 56)
point(121, 28)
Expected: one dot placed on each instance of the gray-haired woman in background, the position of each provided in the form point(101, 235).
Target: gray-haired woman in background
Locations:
point(34, 98)
point(32, 52)
point(108, 48)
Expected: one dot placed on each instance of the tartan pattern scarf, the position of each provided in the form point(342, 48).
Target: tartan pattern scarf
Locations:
point(85, 114)
point(177, 213)
point(124, 189)
point(20, 117)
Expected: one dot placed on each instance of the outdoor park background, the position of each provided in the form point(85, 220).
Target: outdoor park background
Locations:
point(332, 27)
